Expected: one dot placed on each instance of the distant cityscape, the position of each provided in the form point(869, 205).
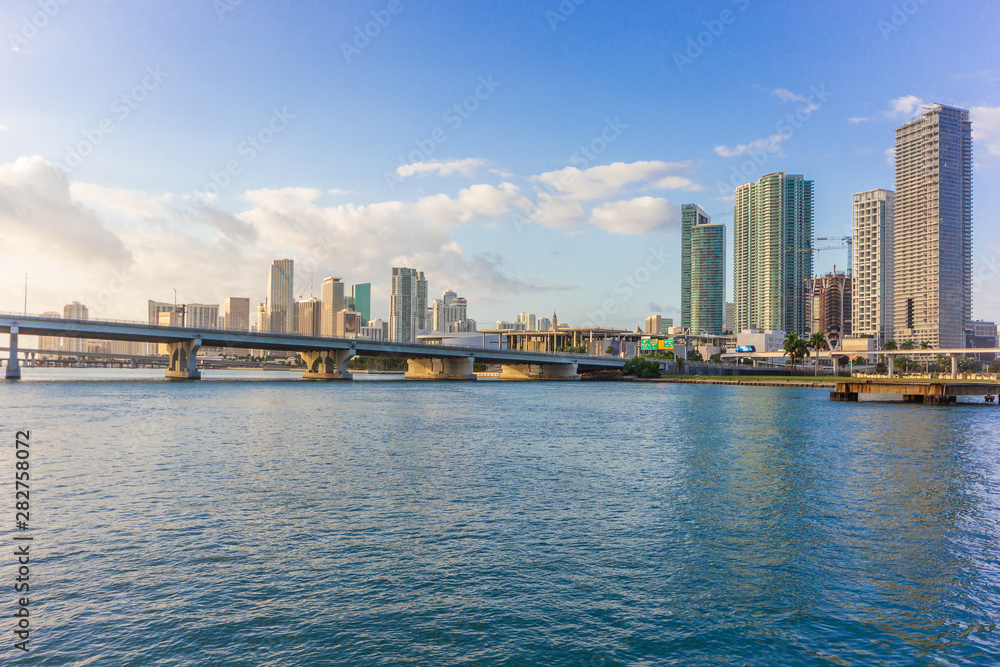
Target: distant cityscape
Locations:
point(908, 275)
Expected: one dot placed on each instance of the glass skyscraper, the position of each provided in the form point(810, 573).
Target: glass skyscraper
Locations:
point(772, 253)
point(933, 230)
point(703, 271)
point(407, 305)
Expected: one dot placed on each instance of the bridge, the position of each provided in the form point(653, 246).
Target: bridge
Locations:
point(952, 353)
point(325, 358)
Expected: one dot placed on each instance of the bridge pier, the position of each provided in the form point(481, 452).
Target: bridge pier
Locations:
point(445, 368)
point(183, 362)
point(327, 364)
point(564, 371)
point(13, 369)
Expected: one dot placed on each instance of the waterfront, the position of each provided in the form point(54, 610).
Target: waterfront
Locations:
point(284, 522)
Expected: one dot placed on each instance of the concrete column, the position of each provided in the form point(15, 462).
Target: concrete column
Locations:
point(13, 368)
point(954, 367)
point(327, 364)
point(183, 359)
point(565, 371)
point(891, 362)
point(446, 368)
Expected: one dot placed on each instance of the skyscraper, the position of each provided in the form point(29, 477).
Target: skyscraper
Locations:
point(407, 305)
point(359, 299)
point(450, 308)
point(933, 227)
point(237, 316)
point(829, 306)
point(310, 317)
point(529, 319)
point(281, 311)
point(332, 295)
point(703, 271)
point(201, 315)
point(872, 310)
point(772, 258)
point(75, 311)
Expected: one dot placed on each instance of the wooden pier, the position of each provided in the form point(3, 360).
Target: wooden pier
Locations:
point(928, 393)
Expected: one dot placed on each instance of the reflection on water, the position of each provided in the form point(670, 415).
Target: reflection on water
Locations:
point(285, 522)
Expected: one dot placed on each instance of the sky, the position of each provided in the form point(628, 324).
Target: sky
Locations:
point(531, 156)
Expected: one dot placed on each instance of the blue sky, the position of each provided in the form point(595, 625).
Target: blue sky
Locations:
point(530, 156)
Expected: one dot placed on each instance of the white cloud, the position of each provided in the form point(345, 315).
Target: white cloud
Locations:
point(890, 157)
point(786, 95)
point(40, 214)
point(903, 107)
point(771, 144)
point(986, 128)
point(644, 215)
point(467, 168)
point(857, 120)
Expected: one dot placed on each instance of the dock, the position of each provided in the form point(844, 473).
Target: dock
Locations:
point(928, 393)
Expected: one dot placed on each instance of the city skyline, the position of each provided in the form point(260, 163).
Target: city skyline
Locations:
point(200, 174)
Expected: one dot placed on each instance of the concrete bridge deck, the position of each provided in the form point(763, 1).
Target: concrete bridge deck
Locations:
point(928, 393)
point(326, 358)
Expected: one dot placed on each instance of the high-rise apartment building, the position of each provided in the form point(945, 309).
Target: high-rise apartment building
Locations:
point(873, 273)
point(730, 317)
point(75, 311)
point(407, 305)
point(53, 343)
point(529, 320)
point(829, 307)
point(359, 299)
point(332, 295)
point(933, 227)
point(281, 310)
point(772, 257)
point(703, 271)
point(448, 309)
point(237, 314)
point(157, 307)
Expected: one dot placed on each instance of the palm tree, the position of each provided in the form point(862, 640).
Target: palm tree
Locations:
point(908, 345)
point(795, 348)
point(924, 345)
point(818, 342)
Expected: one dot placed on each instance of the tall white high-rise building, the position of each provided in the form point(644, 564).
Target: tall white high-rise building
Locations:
point(529, 320)
point(873, 270)
point(772, 257)
point(281, 310)
point(933, 227)
point(407, 305)
point(332, 296)
point(75, 311)
point(703, 271)
point(447, 310)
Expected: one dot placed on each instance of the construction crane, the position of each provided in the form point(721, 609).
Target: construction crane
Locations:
point(848, 242)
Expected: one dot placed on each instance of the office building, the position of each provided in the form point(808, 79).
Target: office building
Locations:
point(237, 314)
point(310, 317)
point(982, 334)
point(465, 325)
point(933, 227)
point(281, 310)
point(407, 305)
point(543, 324)
point(772, 253)
point(332, 295)
point(157, 307)
point(873, 270)
point(730, 317)
point(262, 324)
point(201, 315)
point(656, 324)
point(348, 324)
point(703, 272)
point(359, 299)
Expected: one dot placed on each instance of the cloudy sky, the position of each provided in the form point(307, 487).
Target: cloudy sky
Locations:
point(530, 157)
